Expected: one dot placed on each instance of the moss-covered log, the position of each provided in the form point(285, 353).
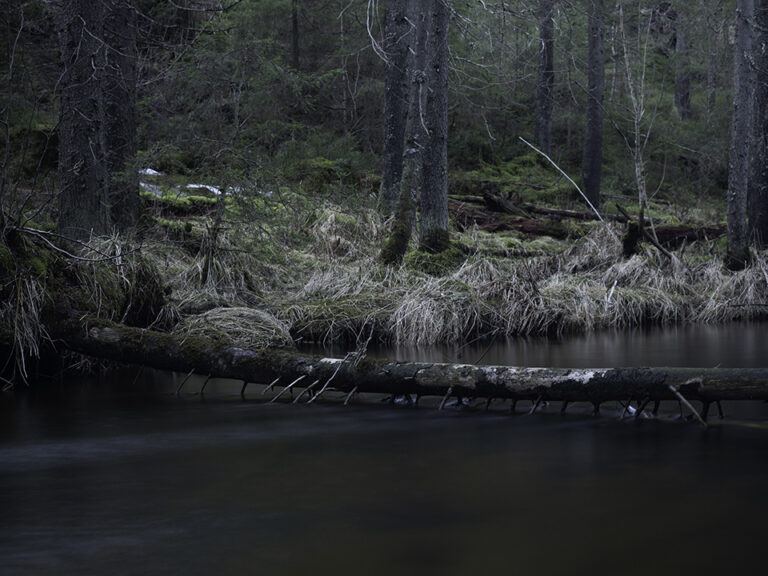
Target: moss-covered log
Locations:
point(164, 351)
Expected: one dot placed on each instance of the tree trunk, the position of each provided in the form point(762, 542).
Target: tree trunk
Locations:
point(413, 147)
point(711, 74)
point(544, 92)
point(682, 67)
point(591, 167)
point(295, 55)
point(398, 43)
point(433, 233)
point(120, 113)
point(167, 352)
point(97, 122)
point(738, 165)
point(83, 166)
point(758, 182)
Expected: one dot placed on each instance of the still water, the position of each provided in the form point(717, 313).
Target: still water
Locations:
point(111, 476)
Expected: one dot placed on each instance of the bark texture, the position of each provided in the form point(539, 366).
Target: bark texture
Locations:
point(119, 89)
point(591, 166)
point(545, 86)
point(97, 124)
point(399, 41)
point(412, 151)
point(433, 233)
point(738, 164)
point(83, 166)
point(163, 351)
point(758, 182)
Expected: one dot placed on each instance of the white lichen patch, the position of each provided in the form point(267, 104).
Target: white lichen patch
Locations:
point(580, 376)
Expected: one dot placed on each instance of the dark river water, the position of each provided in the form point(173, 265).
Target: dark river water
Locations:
point(118, 476)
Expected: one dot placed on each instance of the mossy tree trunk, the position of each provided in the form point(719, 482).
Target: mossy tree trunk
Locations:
point(433, 232)
point(591, 166)
point(413, 146)
point(738, 164)
point(399, 41)
point(206, 357)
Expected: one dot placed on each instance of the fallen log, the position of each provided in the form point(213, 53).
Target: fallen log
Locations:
point(164, 351)
point(466, 216)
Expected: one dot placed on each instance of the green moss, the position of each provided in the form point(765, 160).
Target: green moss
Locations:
point(7, 265)
point(37, 266)
point(544, 245)
point(319, 173)
point(435, 264)
point(396, 245)
point(436, 241)
point(179, 205)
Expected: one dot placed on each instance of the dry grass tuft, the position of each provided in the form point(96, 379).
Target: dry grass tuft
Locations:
point(729, 296)
point(240, 327)
point(22, 313)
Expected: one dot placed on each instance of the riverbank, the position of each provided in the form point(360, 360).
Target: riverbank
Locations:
point(288, 267)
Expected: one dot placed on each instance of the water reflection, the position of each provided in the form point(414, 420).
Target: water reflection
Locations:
point(736, 345)
point(121, 477)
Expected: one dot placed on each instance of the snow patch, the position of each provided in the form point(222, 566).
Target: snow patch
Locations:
point(212, 189)
point(150, 172)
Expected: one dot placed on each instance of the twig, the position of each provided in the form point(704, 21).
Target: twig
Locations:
point(307, 389)
point(599, 217)
point(688, 404)
point(349, 396)
point(536, 404)
point(445, 398)
point(646, 235)
point(268, 388)
point(643, 404)
point(178, 390)
point(291, 385)
point(202, 390)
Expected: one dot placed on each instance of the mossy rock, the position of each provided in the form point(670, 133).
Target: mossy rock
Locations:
point(435, 264)
point(246, 328)
point(179, 205)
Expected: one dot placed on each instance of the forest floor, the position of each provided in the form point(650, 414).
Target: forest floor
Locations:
point(525, 260)
point(289, 265)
